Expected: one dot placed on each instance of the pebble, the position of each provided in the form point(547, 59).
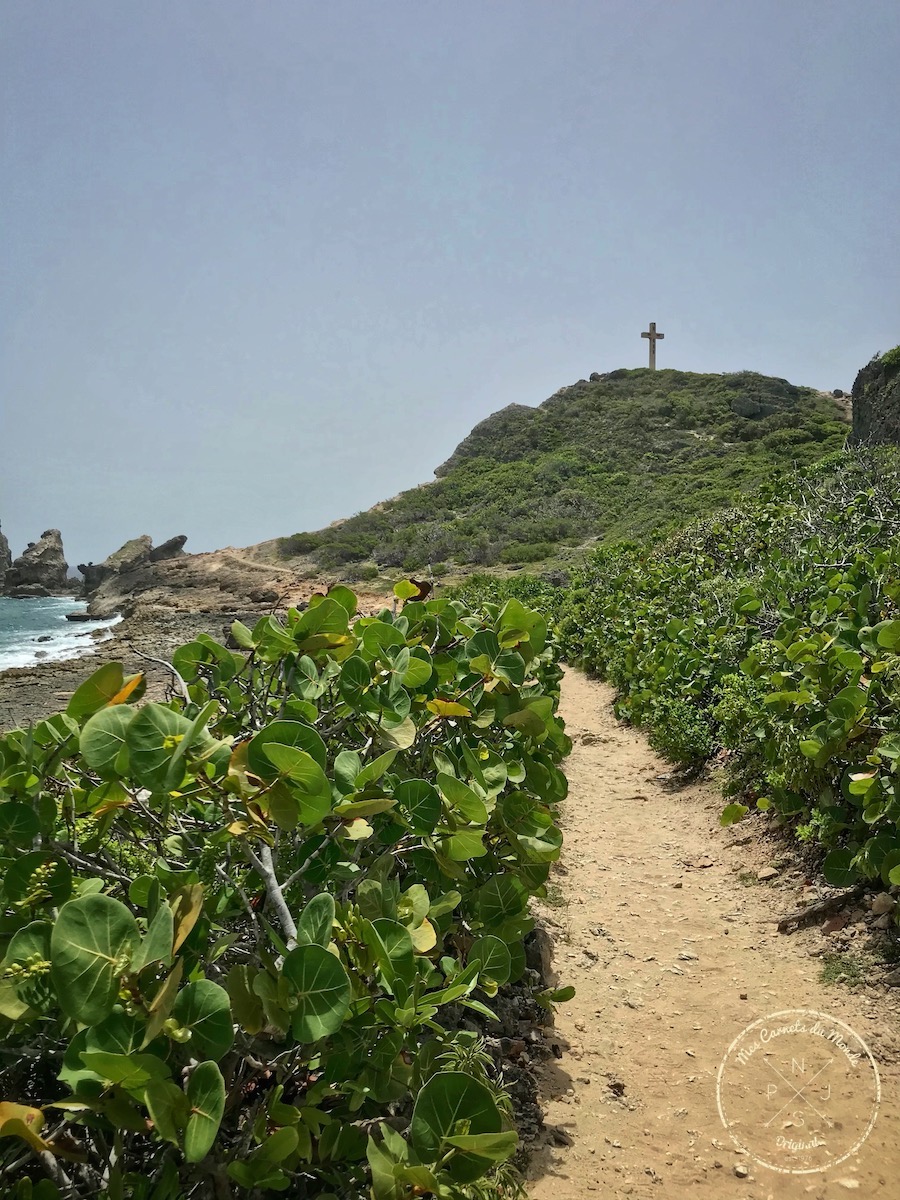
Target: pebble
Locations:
point(741, 1171)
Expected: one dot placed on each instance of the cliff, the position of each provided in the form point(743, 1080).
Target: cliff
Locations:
point(5, 558)
point(876, 400)
point(41, 570)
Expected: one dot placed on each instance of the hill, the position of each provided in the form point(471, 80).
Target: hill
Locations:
point(613, 457)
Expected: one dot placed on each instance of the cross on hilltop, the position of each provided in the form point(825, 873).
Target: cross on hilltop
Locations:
point(654, 337)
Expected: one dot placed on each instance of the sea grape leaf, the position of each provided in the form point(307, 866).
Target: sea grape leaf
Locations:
point(92, 944)
point(323, 992)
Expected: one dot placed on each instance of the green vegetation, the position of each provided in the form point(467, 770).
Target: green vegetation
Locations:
point(241, 929)
point(772, 630)
point(634, 452)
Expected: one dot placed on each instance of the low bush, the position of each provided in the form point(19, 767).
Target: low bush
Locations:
point(772, 630)
point(236, 924)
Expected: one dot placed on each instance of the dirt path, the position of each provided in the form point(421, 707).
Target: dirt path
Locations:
point(665, 931)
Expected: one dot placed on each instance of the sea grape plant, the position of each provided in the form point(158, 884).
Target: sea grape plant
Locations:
point(240, 926)
point(771, 632)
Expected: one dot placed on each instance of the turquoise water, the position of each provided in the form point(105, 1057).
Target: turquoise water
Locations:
point(23, 622)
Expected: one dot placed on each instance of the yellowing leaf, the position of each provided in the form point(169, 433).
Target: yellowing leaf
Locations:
point(186, 905)
point(448, 708)
point(423, 937)
point(129, 687)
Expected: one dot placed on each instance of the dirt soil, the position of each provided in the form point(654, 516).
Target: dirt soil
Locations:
point(661, 923)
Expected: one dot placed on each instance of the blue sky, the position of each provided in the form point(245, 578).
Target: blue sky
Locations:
point(266, 264)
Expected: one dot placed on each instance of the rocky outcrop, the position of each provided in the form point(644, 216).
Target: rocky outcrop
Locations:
point(166, 580)
point(124, 559)
point(5, 558)
point(41, 571)
point(128, 561)
point(876, 400)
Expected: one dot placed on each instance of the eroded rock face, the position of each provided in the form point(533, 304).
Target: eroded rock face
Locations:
point(5, 557)
point(41, 571)
point(876, 401)
point(129, 560)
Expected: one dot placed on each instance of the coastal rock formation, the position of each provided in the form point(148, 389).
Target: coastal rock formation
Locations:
point(135, 554)
point(41, 571)
point(124, 559)
point(876, 400)
point(166, 580)
point(5, 557)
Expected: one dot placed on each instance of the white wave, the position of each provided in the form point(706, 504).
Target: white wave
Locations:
point(64, 639)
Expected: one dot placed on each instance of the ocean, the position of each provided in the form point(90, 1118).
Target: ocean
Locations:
point(35, 631)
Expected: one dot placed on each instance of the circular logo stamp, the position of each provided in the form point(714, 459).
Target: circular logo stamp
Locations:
point(798, 1091)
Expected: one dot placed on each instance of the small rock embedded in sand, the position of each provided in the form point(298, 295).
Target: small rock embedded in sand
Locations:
point(849, 1184)
point(741, 1170)
point(766, 873)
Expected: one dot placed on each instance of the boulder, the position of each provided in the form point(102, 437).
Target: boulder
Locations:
point(43, 566)
point(80, 616)
point(28, 591)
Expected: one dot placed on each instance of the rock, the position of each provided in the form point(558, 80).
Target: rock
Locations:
point(838, 393)
point(43, 565)
point(882, 904)
point(892, 979)
point(28, 591)
point(595, 377)
point(741, 1170)
point(80, 616)
point(766, 873)
point(169, 549)
point(5, 557)
point(883, 922)
point(876, 401)
point(44, 638)
point(539, 954)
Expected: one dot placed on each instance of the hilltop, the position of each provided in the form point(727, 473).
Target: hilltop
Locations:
point(611, 457)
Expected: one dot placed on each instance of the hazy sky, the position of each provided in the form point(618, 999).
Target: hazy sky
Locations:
point(265, 264)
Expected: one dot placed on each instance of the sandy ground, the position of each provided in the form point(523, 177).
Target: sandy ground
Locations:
point(662, 926)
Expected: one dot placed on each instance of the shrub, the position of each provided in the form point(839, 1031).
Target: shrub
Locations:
point(525, 552)
point(235, 922)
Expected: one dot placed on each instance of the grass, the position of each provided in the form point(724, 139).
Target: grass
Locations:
point(842, 968)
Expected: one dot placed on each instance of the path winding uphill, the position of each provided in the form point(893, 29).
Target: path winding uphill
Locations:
point(669, 937)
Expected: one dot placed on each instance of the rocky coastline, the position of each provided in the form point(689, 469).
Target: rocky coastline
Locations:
point(165, 596)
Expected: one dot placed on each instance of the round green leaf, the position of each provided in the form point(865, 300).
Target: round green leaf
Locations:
point(283, 733)
point(451, 1104)
point(420, 803)
point(93, 941)
point(103, 738)
point(19, 824)
point(494, 956)
point(152, 739)
point(204, 1008)
point(838, 868)
point(323, 992)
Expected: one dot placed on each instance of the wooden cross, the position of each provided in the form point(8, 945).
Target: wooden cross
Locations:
point(653, 336)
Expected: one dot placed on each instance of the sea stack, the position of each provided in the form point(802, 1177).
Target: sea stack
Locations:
point(41, 570)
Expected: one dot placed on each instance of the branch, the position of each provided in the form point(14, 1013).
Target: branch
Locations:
point(265, 868)
point(180, 684)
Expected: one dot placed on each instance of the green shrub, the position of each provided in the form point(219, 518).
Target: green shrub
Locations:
point(524, 552)
point(772, 630)
point(239, 927)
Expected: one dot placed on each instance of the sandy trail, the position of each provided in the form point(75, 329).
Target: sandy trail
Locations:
point(662, 927)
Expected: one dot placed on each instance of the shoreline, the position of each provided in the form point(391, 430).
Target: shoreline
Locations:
point(36, 692)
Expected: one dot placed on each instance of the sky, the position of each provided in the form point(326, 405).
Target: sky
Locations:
point(265, 264)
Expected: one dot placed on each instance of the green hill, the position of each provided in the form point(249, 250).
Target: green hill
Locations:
point(614, 457)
